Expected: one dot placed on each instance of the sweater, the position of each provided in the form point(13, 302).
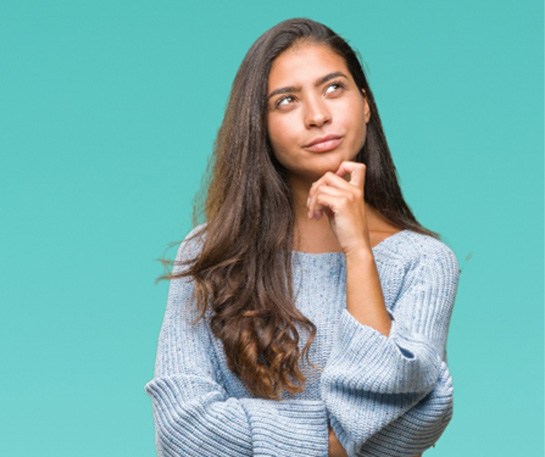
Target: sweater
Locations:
point(384, 396)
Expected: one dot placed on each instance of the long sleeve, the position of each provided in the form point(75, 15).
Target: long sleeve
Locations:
point(392, 396)
point(194, 413)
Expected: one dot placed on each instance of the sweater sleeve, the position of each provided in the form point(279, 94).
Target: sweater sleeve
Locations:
point(391, 396)
point(194, 414)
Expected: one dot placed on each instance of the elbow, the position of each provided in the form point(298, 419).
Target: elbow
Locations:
point(176, 428)
point(188, 430)
point(167, 442)
point(433, 414)
point(196, 423)
point(418, 429)
point(419, 364)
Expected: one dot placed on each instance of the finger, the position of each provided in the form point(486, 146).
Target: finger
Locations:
point(356, 171)
point(315, 210)
point(329, 179)
point(329, 203)
point(332, 200)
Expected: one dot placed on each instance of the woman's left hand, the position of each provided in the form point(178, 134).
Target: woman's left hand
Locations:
point(343, 203)
point(335, 448)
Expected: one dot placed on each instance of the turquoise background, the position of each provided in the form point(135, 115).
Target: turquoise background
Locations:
point(108, 111)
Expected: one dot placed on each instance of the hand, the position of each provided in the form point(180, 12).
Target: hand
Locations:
point(335, 447)
point(343, 203)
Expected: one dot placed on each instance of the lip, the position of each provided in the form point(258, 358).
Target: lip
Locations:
point(324, 143)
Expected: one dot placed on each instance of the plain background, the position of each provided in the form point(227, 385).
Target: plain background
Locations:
point(108, 112)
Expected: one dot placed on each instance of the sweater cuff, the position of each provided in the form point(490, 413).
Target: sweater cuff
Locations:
point(398, 363)
point(290, 428)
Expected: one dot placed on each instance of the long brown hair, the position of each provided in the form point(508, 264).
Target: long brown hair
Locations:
point(243, 271)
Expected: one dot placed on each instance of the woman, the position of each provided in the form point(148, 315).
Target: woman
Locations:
point(309, 316)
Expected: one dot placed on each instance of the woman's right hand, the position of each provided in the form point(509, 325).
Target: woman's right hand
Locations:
point(343, 203)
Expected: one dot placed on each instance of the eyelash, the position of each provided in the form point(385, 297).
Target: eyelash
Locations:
point(280, 100)
point(339, 84)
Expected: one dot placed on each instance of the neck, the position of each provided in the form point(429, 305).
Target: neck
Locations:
point(310, 235)
point(313, 235)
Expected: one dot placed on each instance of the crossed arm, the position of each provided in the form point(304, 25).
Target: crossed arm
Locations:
point(195, 415)
point(385, 391)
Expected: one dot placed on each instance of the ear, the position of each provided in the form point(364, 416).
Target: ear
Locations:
point(366, 107)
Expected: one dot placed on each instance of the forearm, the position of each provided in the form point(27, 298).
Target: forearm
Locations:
point(364, 298)
point(193, 415)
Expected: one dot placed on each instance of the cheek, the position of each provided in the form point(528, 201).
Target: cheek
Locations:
point(280, 135)
point(363, 134)
point(360, 129)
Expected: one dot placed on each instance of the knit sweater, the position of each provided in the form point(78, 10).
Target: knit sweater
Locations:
point(384, 396)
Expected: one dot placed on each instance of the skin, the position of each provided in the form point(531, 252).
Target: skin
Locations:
point(312, 96)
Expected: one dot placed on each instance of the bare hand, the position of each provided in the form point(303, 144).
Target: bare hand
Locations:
point(343, 203)
point(335, 447)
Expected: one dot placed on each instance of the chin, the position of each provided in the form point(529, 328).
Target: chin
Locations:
point(317, 172)
point(332, 163)
point(315, 167)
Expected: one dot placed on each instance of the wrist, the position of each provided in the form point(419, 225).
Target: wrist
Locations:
point(358, 254)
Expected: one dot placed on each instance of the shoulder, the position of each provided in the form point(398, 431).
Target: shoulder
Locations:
point(413, 250)
point(418, 272)
point(195, 237)
point(190, 247)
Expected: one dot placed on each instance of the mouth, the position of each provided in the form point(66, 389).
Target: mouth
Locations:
point(324, 144)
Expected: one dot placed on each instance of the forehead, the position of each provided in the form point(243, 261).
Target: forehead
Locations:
point(305, 63)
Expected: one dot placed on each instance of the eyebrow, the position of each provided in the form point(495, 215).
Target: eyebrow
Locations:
point(320, 81)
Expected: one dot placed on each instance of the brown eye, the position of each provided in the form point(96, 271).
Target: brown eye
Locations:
point(284, 101)
point(334, 88)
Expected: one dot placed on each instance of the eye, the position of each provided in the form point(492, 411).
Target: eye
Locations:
point(284, 101)
point(334, 88)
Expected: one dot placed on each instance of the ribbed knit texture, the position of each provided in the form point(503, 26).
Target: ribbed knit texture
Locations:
point(383, 396)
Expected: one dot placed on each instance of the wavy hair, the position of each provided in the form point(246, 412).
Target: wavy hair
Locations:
point(242, 273)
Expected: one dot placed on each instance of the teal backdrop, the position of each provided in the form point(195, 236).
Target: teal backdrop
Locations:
point(108, 113)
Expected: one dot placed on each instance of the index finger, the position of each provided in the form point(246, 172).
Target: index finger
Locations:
point(356, 171)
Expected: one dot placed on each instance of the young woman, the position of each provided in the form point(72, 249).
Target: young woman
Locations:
point(309, 315)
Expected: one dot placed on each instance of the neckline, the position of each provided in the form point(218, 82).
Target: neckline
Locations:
point(376, 247)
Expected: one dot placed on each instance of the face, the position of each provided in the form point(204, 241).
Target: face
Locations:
point(317, 116)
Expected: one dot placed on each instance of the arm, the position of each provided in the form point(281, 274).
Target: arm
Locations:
point(193, 411)
point(335, 447)
point(392, 396)
point(386, 388)
point(343, 202)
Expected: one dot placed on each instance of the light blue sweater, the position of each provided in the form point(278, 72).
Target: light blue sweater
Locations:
point(383, 396)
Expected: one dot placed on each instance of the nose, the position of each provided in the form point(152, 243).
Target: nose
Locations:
point(316, 113)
